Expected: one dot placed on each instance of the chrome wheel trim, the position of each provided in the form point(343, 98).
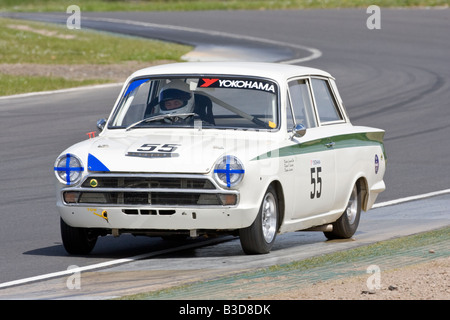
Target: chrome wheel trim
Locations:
point(269, 217)
point(352, 206)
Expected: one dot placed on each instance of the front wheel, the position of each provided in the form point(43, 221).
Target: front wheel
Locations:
point(345, 227)
point(260, 236)
point(77, 240)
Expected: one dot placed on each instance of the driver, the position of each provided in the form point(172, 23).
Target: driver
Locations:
point(175, 98)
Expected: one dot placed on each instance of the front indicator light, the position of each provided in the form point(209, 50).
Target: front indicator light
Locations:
point(71, 197)
point(228, 199)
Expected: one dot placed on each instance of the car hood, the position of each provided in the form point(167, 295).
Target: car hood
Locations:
point(163, 153)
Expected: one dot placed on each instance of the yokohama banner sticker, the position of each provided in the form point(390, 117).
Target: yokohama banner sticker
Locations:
point(252, 84)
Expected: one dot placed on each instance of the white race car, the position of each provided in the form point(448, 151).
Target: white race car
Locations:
point(250, 149)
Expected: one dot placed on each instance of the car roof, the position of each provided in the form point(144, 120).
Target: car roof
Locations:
point(276, 71)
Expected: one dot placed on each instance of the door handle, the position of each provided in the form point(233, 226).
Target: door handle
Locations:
point(330, 144)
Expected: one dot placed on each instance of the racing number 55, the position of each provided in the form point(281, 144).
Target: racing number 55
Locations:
point(316, 181)
point(148, 147)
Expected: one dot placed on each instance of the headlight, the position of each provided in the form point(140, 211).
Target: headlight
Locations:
point(228, 171)
point(68, 169)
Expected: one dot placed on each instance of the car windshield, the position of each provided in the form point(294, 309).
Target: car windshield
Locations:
point(212, 102)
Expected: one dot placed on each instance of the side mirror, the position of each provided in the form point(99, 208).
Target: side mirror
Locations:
point(299, 131)
point(101, 124)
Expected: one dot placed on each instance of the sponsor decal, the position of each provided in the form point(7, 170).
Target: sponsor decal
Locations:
point(207, 82)
point(135, 84)
point(103, 215)
point(288, 165)
point(250, 84)
point(93, 183)
point(377, 164)
point(152, 154)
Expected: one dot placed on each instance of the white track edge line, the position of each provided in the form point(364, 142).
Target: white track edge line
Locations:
point(104, 264)
point(315, 53)
point(68, 90)
point(147, 255)
point(411, 198)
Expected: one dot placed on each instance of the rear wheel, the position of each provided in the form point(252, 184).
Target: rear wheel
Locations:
point(260, 236)
point(345, 227)
point(77, 240)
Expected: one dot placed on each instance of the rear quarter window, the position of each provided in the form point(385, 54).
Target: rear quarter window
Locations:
point(325, 102)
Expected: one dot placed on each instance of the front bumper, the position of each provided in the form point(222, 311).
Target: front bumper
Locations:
point(158, 219)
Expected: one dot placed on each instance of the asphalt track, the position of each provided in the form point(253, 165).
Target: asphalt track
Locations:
point(396, 78)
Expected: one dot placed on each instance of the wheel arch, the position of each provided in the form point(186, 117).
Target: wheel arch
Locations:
point(281, 201)
point(364, 189)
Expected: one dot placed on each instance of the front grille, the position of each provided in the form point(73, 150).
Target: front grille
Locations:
point(149, 190)
point(147, 182)
point(147, 198)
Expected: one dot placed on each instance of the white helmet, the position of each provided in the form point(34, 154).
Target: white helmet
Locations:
point(176, 90)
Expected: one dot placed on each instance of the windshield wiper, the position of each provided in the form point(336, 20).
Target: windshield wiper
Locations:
point(238, 111)
point(161, 117)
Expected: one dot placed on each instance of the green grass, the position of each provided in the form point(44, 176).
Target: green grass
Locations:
point(10, 85)
point(380, 249)
point(54, 44)
point(185, 5)
point(24, 42)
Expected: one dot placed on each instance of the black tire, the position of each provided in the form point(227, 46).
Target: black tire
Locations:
point(345, 227)
point(77, 240)
point(260, 236)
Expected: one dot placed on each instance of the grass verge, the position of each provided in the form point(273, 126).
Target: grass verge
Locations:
point(188, 5)
point(41, 46)
point(10, 85)
point(398, 253)
point(33, 42)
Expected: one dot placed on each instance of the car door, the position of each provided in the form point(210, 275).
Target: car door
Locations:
point(314, 169)
point(346, 143)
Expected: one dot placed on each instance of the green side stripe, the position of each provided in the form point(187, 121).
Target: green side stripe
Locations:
point(341, 141)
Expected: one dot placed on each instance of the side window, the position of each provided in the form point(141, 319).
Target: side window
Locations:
point(301, 103)
point(325, 102)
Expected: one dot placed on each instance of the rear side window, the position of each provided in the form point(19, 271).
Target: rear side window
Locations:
point(326, 104)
